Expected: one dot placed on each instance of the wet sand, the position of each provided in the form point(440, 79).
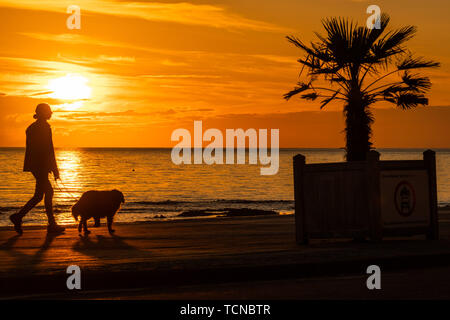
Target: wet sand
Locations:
point(195, 252)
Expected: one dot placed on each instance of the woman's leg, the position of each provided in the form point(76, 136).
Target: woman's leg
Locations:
point(48, 199)
point(16, 218)
point(37, 197)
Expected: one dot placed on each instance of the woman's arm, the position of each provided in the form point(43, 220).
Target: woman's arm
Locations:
point(53, 164)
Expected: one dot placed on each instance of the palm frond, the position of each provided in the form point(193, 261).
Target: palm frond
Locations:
point(299, 44)
point(310, 96)
point(393, 40)
point(408, 100)
point(392, 90)
point(416, 63)
point(328, 100)
point(416, 83)
point(376, 33)
point(297, 89)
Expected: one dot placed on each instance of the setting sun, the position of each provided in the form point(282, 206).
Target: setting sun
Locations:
point(70, 87)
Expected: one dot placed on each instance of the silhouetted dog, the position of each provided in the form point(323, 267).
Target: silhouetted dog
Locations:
point(97, 204)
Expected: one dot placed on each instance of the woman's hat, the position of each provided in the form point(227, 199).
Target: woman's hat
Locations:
point(42, 109)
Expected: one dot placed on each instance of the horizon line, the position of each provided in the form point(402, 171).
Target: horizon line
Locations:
point(246, 148)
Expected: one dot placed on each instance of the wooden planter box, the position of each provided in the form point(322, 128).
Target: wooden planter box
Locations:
point(370, 198)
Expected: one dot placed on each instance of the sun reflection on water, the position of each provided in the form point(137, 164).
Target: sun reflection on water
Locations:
point(68, 190)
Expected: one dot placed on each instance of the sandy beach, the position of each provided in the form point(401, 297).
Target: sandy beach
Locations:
point(192, 253)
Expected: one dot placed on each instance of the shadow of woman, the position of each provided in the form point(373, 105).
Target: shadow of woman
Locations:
point(27, 261)
point(8, 244)
point(44, 247)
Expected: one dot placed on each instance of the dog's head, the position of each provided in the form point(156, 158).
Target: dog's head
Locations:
point(75, 212)
point(118, 196)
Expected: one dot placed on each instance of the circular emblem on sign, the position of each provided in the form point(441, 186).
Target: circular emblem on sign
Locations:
point(405, 198)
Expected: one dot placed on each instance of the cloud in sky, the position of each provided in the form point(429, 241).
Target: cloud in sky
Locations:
point(179, 12)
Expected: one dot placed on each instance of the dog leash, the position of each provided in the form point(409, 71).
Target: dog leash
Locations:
point(65, 191)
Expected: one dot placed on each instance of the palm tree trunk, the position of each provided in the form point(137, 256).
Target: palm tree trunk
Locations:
point(358, 119)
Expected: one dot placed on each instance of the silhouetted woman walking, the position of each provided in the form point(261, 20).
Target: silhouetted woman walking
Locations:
point(40, 160)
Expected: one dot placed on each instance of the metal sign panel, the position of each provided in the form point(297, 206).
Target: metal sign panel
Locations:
point(404, 197)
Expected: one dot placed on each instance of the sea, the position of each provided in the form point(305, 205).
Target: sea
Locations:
point(156, 189)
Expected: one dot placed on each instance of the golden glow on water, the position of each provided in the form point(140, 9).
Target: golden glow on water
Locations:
point(69, 189)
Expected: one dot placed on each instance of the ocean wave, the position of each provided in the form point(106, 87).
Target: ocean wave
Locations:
point(56, 207)
point(228, 212)
point(178, 202)
point(187, 205)
point(179, 205)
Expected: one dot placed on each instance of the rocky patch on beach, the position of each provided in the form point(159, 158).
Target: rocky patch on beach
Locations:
point(227, 212)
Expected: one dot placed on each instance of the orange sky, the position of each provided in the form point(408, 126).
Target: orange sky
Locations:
point(152, 67)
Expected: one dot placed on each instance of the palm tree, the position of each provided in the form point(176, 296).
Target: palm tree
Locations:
point(359, 63)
